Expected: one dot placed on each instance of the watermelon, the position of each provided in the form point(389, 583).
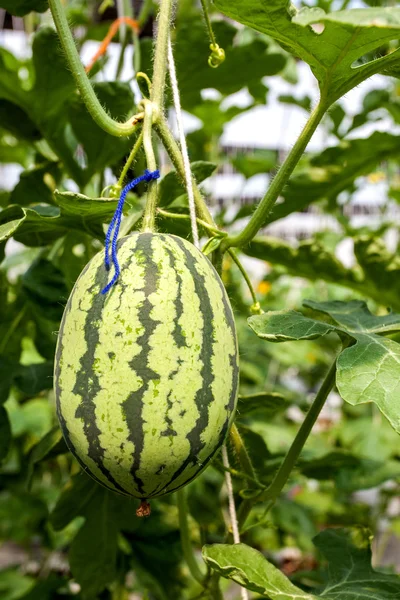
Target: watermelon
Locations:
point(146, 376)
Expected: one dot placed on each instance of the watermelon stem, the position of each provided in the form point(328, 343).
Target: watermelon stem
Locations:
point(144, 509)
point(149, 217)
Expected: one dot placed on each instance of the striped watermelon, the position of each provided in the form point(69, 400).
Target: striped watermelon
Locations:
point(146, 376)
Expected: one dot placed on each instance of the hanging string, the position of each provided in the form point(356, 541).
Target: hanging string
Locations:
point(232, 508)
point(113, 228)
point(182, 138)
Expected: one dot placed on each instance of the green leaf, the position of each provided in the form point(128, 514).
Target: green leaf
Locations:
point(214, 116)
point(171, 187)
point(313, 260)
point(349, 567)
point(32, 189)
point(350, 574)
point(8, 228)
point(7, 372)
point(335, 170)
point(332, 46)
point(368, 474)
point(21, 515)
point(51, 444)
point(380, 267)
point(284, 325)
point(354, 316)
point(43, 224)
point(85, 214)
point(369, 371)
point(267, 403)
point(16, 121)
point(20, 8)
point(211, 245)
point(5, 433)
point(260, 161)
point(73, 501)
point(249, 568)
point(104, 514)
point(33, 379)
point(97, 539)
point(14, 585)
point(100, 148)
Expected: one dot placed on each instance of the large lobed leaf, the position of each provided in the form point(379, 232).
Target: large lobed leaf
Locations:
point(376, 274)
point(52, 110)
point(350, 574)
point(369, 369)
point(333, 46)
point(20, 8)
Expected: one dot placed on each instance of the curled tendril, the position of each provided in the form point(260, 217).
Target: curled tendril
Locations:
point(111, 191)
point(217, 56)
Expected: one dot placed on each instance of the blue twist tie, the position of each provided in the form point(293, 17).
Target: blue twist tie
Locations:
point(116, 224)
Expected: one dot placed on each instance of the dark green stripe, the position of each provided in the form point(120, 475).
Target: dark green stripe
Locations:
point(204, 396)
point(177, 333)
point(233, 358)
point(201, 466)
point(87, 384)
point(133, 405)
point(58, 392)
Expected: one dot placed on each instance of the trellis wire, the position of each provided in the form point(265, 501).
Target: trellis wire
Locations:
point(232, 508)
point(182, 139)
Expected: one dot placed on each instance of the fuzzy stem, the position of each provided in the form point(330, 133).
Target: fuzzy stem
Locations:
point(149, 217)
point(161, 54)
point(260, 215)
point(185, 538)
point(89, 97)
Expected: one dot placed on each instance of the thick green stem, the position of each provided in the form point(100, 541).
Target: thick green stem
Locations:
point(295, 449)
point(161, 54)
point(260, 215)
point(175, 155)
point(149, 217)
point(89, 97)
point(185, 538)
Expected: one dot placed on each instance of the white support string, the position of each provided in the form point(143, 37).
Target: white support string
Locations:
point(182, 139)
point(232, 508)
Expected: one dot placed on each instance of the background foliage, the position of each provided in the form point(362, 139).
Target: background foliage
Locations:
point(62, 535)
